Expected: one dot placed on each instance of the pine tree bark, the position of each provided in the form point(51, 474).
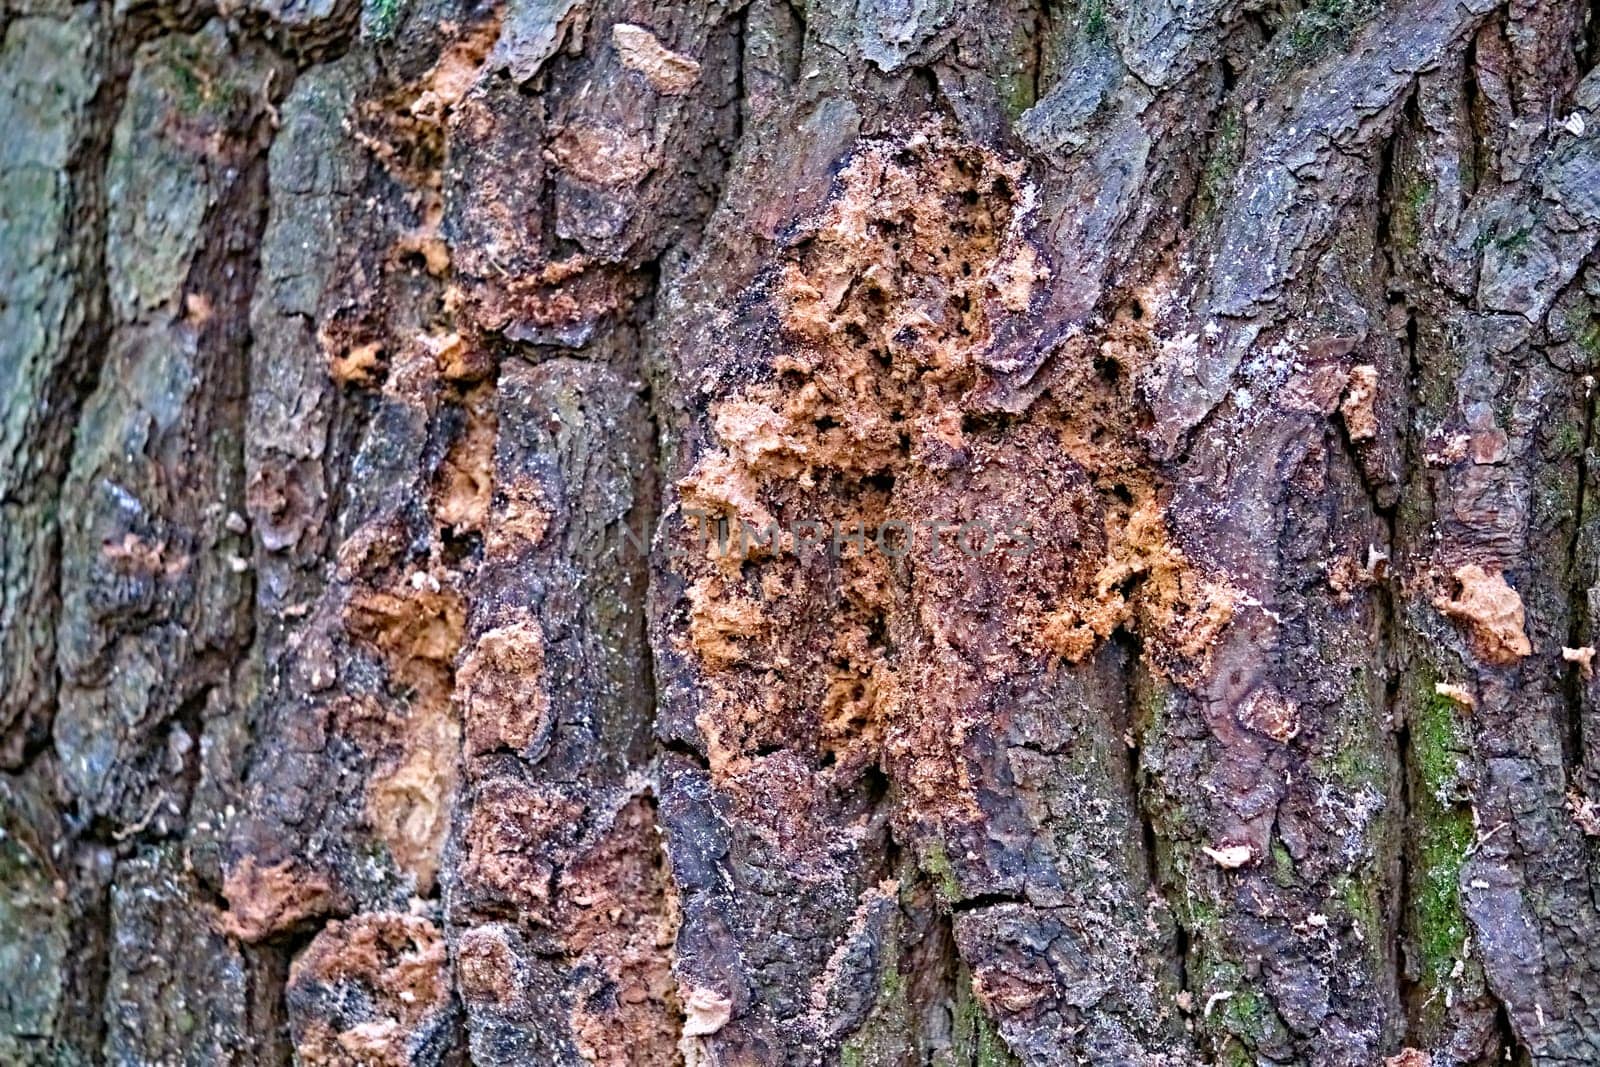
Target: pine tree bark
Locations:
point(877, 533)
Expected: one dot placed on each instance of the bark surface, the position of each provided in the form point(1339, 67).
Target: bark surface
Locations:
point(889, 532)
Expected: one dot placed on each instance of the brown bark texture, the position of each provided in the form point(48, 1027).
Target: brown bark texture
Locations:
point(726, 533)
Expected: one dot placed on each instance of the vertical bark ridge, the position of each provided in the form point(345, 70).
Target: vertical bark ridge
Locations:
point(63, 89)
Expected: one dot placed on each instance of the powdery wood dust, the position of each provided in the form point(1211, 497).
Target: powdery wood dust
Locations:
point(891, 306)
point(417, 627)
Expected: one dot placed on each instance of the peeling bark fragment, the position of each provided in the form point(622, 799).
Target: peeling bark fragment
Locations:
point(1583, 657)
point(618, 925)
point(1360, 421)
point(1268, 711)
point(503, 692)
point(668, 72)
point(705, 1012)
point(516, 839)
point(1492, 612)
point(531, 33)
point(1585, 812)
point(1230, 856)
point(372, 990)
point(267, 900)
point(1409, 1058)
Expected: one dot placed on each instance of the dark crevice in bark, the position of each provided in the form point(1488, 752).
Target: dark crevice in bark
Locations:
point(1042, 28)
point(1393, 291)
point(1229, 74)
point(1147, 828)
point(1416, 996)
point(677, 746)
point(1179, 948)
point(643, 516)
point(1265, 23)
point(1413, 370)
point(797, 11)
point(34, 746)
point(95, 964)
point(1578, 633)
point(305, 44)
point(938, 960)
point(1415, 462)
point(1589, 55)
point(142, 24)
point(1130, 648)
point(190, 718)
point(290, 942)
point(926, 79)
point(1178, 951)
point(1182, 947)
point(1209, 146)
point(1510, 1049)
point(1479, 122)
point(265, 980)
point(979, 901)
point(321, 41)
point(726, 153)
point(1383, 240)
point(235, 256)
point(1389, 657)
point(1405, 985)
point(741, 37)
point(352, 412)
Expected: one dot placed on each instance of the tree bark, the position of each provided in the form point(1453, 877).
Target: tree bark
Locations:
point(877, 533)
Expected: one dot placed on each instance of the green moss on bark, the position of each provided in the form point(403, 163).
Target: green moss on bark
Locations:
point(976, 1040)
point(1444, 836)
point(936, 865)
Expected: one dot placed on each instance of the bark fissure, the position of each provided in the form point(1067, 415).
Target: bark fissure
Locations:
point(1580, 633)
